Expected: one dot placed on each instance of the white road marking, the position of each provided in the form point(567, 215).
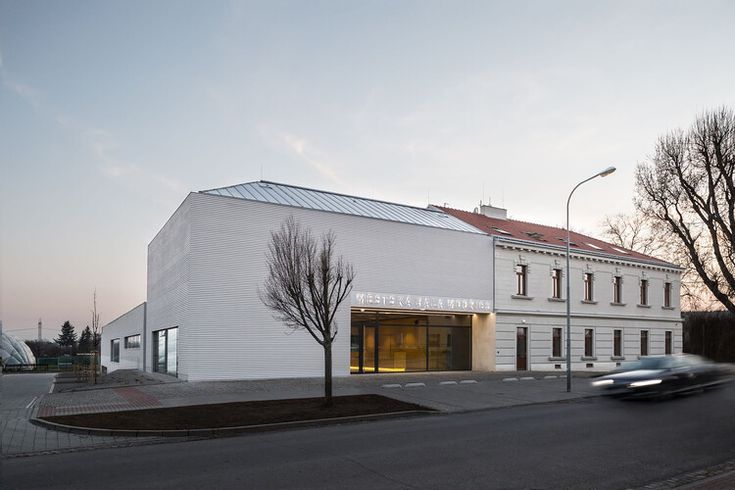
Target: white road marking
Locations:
point(30, 404)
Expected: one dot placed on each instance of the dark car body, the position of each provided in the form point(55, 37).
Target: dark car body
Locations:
point(659, 376)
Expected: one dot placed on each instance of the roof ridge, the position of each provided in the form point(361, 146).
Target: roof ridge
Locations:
point(351, 196)
point(589, 241)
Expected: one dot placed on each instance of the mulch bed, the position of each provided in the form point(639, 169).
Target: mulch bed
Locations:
point(238, 414)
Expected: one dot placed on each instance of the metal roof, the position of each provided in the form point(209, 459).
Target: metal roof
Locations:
point(301, 197)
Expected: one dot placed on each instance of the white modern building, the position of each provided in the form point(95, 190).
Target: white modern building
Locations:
point(435, 289)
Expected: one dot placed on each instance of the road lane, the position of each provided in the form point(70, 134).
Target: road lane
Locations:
point(596, 443)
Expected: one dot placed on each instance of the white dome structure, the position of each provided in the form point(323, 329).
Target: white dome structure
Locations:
point(14, 351)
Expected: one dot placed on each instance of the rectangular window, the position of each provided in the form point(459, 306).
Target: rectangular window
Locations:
point(588, 342)
point(132, 342)
point(644, 292)
point(588, 288)
point(617, 289)
point(115, 350)
point(644, 342)
point(667, 295)
point(667, 343)
point(521, 272)
point(556, 342)
point(617, 343)
point(556, 283)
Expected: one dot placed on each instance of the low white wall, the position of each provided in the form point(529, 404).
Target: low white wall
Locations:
point(130, 323)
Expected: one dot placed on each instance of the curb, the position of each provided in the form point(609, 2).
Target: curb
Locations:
point(224, 431)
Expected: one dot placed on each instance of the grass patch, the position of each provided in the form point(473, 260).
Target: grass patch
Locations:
point(237, 414)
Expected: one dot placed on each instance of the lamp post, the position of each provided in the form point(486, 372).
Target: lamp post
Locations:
point(604, 173)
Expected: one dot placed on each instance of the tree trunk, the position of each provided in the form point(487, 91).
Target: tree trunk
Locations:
point(328, 374)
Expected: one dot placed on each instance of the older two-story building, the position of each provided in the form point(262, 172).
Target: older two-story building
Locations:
point(435, 289)
point(623, 304)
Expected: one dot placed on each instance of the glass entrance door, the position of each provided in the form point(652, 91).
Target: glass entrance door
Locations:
point(404, 342)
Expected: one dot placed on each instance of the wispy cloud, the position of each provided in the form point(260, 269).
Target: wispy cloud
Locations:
point(26, 92)
point(316, 158)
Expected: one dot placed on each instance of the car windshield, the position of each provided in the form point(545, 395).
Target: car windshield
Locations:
point(650, 363)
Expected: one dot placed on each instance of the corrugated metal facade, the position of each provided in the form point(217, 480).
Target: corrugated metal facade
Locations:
point(131, 323)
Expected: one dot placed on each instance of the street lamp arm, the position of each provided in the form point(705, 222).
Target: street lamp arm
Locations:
point(604, 173)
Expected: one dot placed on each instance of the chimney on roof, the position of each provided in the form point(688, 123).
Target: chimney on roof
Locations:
point(492, 211)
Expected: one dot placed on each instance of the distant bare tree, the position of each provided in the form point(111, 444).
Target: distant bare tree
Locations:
point(633, 232)
point(306, 283)
point(95, 338)
point(642, 234)
point(688, 187)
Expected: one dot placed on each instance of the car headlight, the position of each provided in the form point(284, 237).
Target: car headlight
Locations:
point(647, 382)
point(602, 382)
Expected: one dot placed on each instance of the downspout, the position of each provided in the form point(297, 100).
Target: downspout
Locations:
point(494, 278)
point(145, 334)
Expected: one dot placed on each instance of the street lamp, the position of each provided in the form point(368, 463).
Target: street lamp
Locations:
point(604, 173)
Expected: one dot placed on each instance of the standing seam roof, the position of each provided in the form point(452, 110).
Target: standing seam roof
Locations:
point(301, 197)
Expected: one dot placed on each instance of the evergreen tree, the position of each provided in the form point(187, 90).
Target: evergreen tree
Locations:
point(67, 337)
point(85, 340)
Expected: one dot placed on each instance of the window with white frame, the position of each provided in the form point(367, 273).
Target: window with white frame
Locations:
point(644, 292)
point(617, 289)
point(667, 295)
point(522, 280)
point(556, 283)
point(589, 342)
point(644, 342)
point(617, 343)
point(556, 342)
point(588, 286)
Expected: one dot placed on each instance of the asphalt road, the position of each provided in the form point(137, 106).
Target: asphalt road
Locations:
point(593, 443)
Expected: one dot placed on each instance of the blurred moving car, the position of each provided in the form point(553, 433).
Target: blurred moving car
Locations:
point(660, 376)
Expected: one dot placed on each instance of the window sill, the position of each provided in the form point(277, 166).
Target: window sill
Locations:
point(668, 308)
point(585, 358)
point(643, 306)
point(588, 302)
point(552, 358)
point(557, 300)
point(521, 296)
point(612, 303)
point(617, 358)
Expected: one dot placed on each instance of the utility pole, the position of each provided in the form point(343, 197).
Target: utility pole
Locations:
point(40, 330)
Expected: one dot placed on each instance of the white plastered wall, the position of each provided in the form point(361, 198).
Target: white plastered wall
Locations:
point(540, 315)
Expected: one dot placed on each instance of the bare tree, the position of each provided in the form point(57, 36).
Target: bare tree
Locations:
point(688, 187)
point(633, 232)
point(642, 234)
point(306, 283)
point(95, 338)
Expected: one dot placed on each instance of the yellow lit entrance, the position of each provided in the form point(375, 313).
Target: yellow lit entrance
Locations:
point(404, 342)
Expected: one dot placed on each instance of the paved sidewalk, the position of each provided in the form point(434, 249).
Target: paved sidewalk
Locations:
point(448, 392)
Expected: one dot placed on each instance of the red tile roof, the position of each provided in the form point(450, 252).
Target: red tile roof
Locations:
point(545, 235)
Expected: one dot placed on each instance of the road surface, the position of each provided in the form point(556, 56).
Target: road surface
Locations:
point(593, 443)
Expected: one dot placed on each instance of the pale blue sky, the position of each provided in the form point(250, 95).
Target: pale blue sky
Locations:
point(110, 112)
